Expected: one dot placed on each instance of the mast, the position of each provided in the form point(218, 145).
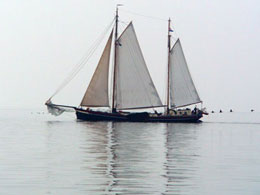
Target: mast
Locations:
point(115, 61)
point(168, 67)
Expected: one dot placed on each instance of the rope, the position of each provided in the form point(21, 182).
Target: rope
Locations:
point(83, 60)
point(146, 16)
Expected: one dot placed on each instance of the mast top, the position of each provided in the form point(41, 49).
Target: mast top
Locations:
point(118, 5)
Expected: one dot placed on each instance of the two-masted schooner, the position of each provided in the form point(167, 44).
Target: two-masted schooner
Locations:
point(132, 86)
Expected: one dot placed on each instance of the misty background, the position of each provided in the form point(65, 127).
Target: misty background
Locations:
point(41, 41)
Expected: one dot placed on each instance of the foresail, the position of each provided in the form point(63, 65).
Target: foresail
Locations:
point(134, 86)
point(182, 88)
point(97, 92)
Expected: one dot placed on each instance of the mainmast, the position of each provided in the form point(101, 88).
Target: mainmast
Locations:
point(115, 61)
point(168, 67)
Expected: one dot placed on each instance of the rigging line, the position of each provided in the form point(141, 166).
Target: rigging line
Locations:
point(89, 51)
point(79, 66)
point(123, 22)
point(75, 70)
point(146, 16)
point(83, 60)
point(122, 26)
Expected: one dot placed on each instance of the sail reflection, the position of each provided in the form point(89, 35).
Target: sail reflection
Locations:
point(138, 158)
point(181, 158)
point(96, 161)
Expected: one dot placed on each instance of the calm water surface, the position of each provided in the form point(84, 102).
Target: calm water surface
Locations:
point(42, 154)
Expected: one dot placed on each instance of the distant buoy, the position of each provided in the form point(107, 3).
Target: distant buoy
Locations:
point(231, 110)
point(252, 110)
point(220, 111)
point(212, 111)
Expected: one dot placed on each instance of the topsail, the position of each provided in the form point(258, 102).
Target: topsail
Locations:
point(182, 88)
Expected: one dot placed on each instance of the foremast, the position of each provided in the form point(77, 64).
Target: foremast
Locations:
point(115, 61)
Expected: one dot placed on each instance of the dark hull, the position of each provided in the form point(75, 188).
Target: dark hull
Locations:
point(140, 117)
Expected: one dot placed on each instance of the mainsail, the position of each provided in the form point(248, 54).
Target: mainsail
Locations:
point(134, 86)
point(97, 92)
point(182, 89)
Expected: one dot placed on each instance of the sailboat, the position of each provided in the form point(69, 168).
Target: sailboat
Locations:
point(132, 86)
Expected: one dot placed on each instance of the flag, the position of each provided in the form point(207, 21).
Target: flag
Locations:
point(170, 30)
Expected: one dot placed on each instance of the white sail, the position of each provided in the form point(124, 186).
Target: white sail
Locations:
point(182, 89)
point(97, 92)
point(134, 86)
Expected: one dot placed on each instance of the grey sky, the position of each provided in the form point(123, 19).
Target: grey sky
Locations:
point(41, 41)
